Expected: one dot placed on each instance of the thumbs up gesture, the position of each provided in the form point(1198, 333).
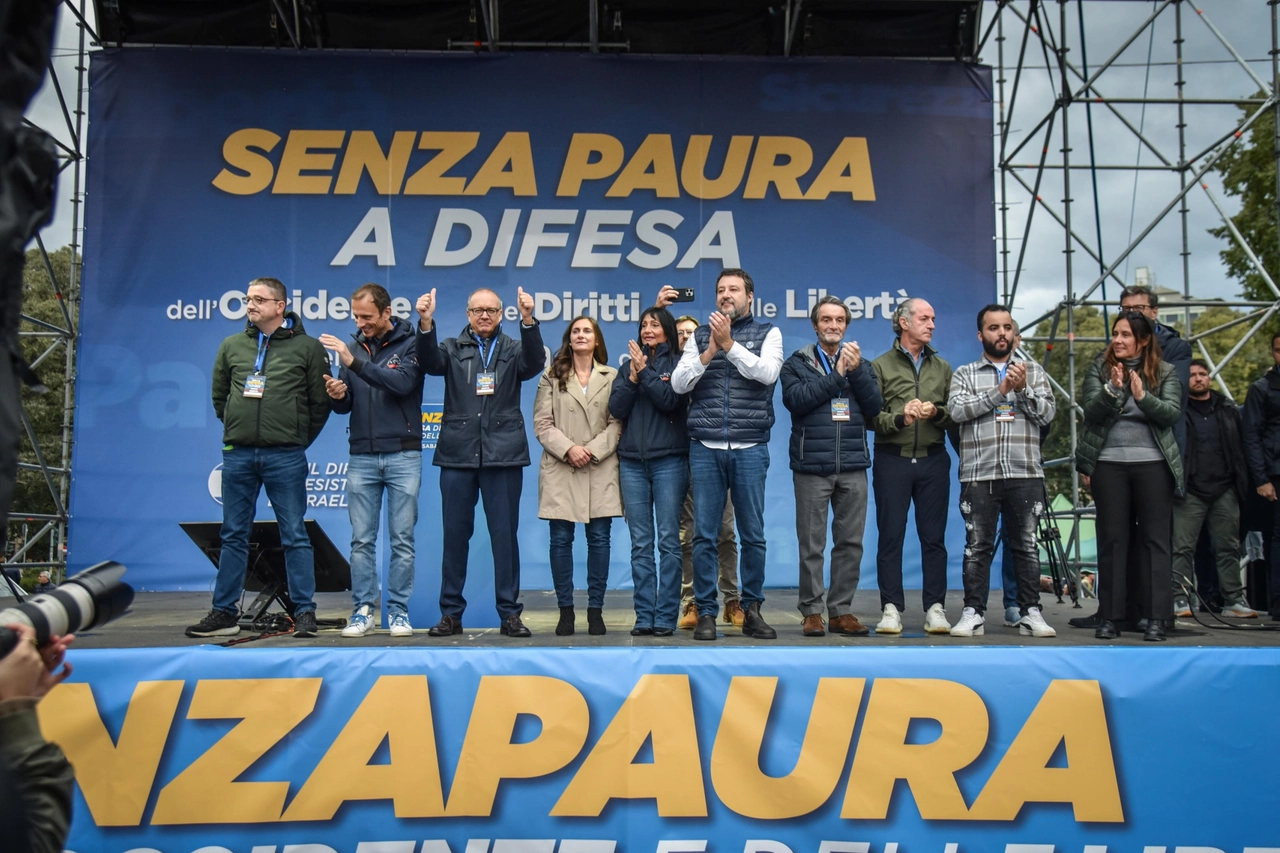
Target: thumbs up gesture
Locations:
point(524, 301)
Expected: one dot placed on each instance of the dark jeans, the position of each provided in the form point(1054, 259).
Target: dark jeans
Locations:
point(460, 488)
point(1134, 500)
point(717, 474)
point(1190, 515)
point(597, 560)
point(985, 505)
point(654, 489)
point(897, 481)
point(282, 471)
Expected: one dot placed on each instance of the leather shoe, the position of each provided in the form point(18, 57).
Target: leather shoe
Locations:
point(706, 629)
point(733, 613)
point(754, 626)
point(689, 617)
point(663, 632)
point(1106, 630)
point(513, 627)
point(637, 631)
point(848, 625)
point(446, 627)
point(1085, 621)
point(1155, 631)
point(813, 626)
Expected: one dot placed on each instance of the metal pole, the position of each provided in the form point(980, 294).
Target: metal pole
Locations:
point(593, 24)
point(1183, 210)
point(1004, 171)
point(1066, 216)
point(1275, 111)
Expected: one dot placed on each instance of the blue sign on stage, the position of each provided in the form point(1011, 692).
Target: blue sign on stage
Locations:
point(670, 751)
point(588, 181)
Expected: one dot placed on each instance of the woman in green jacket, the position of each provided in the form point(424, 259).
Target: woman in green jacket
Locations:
point(1132, 399)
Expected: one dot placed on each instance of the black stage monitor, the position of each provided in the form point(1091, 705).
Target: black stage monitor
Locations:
point(266, 573)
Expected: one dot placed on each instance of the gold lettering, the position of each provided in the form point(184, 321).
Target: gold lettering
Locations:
point(652, 167)
point(765, 168)
point(364, 154)
point(693, 169)
point(239, 152)
point(850, 157)
point(513, 150)
point(579, 167)
point(299, 157)
point(453, 146)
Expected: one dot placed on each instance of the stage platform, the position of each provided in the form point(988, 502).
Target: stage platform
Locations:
point(158, 619)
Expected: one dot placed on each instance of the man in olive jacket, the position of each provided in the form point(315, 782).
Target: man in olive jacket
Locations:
point(269, 393)
point(482, 450)
point(911, 464)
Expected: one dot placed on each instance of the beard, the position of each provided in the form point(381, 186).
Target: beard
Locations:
point(993, 351)
point(738, 313)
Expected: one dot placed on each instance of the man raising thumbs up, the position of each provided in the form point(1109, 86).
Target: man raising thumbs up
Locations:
point(482, 446)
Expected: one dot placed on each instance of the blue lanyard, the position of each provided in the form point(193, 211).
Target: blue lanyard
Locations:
point(263, 343)
point(1001, 370)
point(486, 353)
point(826, 361)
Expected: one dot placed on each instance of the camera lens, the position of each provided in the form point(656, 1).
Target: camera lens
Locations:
point(91, 598)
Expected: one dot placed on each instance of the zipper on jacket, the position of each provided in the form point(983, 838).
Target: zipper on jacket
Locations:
point(915, 442)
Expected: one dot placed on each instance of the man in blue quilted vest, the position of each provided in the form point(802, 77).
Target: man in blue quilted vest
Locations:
point(729, 368)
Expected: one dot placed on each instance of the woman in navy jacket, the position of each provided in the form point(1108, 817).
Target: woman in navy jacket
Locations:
point(654, 469)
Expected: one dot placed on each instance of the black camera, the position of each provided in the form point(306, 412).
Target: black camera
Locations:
point(91, 598)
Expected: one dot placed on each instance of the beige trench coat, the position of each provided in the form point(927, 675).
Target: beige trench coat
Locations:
point(562, 419)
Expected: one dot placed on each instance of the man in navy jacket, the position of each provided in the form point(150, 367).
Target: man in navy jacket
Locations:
point(380, 386)
point(482, 449)
point(831, 394)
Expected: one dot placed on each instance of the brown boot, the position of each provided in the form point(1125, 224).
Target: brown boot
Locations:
point(848, 624)
point(813, 626)
point(689, 618)
point(733, 614)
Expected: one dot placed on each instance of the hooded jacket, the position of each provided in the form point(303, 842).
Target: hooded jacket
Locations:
point(294, 405)
point(384, 392)
point(653, 414)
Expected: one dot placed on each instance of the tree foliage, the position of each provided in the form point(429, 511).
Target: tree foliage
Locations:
point(1248, 172)
point(45, 411)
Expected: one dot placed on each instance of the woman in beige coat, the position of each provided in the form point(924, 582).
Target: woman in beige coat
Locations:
point(578, 476)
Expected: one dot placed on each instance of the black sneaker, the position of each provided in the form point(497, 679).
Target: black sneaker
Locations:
point(219, 623)
point(305, 624)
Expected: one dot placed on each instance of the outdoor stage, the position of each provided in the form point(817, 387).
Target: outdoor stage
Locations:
point(159, 618)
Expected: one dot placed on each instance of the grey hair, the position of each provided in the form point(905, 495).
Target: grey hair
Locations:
point(907, 308)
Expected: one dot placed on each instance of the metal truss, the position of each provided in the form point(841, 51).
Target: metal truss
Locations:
point(44, 534)
point(1040, 31)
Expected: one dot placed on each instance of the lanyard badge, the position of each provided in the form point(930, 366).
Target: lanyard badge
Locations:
point(255, 384)
point(486, 380)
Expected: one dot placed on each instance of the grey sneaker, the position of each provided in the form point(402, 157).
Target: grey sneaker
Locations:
point(1240, 610)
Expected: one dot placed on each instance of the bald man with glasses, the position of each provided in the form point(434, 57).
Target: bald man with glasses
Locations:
point(482, 449)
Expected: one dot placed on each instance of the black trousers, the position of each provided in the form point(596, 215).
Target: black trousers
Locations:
point(1134, 500)
point(897, 482)
point(460, 488)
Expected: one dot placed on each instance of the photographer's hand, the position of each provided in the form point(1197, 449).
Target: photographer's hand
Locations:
point(22, 669)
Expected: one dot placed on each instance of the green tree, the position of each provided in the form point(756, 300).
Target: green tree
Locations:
point(1248, 172)
point(45, 411)
point(1088, 324)
point(1245, 366)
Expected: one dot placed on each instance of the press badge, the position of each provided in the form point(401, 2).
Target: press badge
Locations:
point(254, 385)
point(485, 382)
point(840, 408)
point(1004, 412)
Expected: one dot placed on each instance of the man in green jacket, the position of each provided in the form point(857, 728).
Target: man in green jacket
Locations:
point(911, 464)
point(269, 393)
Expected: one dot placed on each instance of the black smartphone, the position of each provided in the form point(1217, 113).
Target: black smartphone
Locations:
point(684, 294)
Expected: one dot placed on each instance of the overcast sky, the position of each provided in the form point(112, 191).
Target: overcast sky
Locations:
point(1126, 205)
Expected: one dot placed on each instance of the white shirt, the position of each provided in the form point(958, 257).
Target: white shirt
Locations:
point(763, 368)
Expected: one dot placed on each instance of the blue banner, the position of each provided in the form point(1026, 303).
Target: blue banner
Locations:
point(588, 181)
point(638, 750)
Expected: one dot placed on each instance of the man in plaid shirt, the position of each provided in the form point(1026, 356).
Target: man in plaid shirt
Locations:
point(1000, 405)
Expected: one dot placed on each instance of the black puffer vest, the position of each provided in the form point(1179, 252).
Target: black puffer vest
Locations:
point(725, 406)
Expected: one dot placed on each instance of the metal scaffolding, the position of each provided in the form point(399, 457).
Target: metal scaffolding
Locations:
point(1041, 79)
point(44, 534)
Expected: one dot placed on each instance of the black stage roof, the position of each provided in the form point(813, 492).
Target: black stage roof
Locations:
point(919, 29)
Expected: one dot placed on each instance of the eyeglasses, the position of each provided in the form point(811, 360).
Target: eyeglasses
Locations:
point(485, 312)
point(258, 300)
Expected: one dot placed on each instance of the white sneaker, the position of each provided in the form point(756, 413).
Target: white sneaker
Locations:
point(400, 626)
point(935, 621)
point(970, 624)
point(359, 624)
point(891, 622)
point(1012, 616)
point(1033, 625)
point(1240, 610)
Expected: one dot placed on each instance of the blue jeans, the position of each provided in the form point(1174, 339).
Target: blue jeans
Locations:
point(741, 474)
point(400, 475)
point(655, 487)
point(597, 560)
point(283, 472)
